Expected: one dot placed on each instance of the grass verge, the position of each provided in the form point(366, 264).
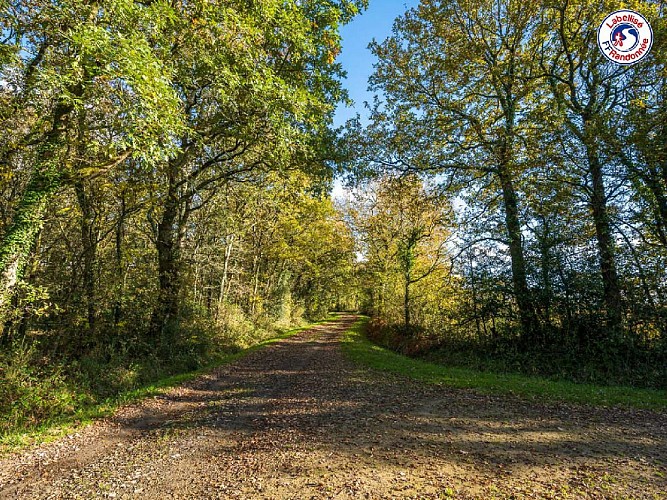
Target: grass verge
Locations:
point(55, 428)
point(363, 351)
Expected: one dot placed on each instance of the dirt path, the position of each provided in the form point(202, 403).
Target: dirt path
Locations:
point(297, 420)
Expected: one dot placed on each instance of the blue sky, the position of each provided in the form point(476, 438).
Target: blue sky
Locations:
point(357, 60)
point(374, 23)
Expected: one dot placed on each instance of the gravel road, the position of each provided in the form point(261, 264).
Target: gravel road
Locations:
point(298, 420)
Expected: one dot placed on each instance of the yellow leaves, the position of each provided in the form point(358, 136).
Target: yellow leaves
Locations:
point(331, 56)
point(65, 210)
point(639, 103)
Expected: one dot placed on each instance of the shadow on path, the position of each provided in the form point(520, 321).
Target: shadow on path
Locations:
point(297, 419)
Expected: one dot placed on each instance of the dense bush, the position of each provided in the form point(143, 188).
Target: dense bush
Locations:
point(35, 389)
point(603, 362)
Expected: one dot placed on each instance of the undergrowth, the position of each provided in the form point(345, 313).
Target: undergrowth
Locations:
point(620, 362)
point(364, 351)
point(41, 398)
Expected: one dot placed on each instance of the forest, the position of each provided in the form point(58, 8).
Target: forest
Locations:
point(166, 170)
point(165, 176)
point(516, 209)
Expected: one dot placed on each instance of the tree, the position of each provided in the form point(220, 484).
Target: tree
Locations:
point(92, 92)
point(155, 107)
point(259, 87)
point(403, 227)
point(454, 103)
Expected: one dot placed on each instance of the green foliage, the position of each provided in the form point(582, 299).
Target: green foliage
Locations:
point(32, 389)
point(163, 171)
point(366, 353)
point(553, 159)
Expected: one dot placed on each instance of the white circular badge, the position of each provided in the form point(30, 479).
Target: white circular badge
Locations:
point(625, 37)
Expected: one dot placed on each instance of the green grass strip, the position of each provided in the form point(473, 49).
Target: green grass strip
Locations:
point(57, 427)
point(363, 351)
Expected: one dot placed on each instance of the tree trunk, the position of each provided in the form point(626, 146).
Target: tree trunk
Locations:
point(168, 245)
point(568, 295)
point(653, 182)
point(120, 272)
point(545, 264)
point(28, 219)
point(225, 270)
point(256, 263)
point(519, 279)
point(406, 301)
point(474, 300)
point(605, 242)
point(89, 235)
point(657, 182)
point(18, 241)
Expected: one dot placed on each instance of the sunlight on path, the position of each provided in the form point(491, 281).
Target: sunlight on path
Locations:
point(298, 420)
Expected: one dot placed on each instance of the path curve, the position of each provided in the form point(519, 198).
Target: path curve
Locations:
point(298, 420)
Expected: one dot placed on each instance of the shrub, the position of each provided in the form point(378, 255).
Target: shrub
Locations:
point(31, 390)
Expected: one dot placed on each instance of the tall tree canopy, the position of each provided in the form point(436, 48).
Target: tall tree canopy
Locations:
point(552, 157)
point(165, 163)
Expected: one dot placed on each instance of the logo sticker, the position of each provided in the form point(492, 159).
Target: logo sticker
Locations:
point(625, 37)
